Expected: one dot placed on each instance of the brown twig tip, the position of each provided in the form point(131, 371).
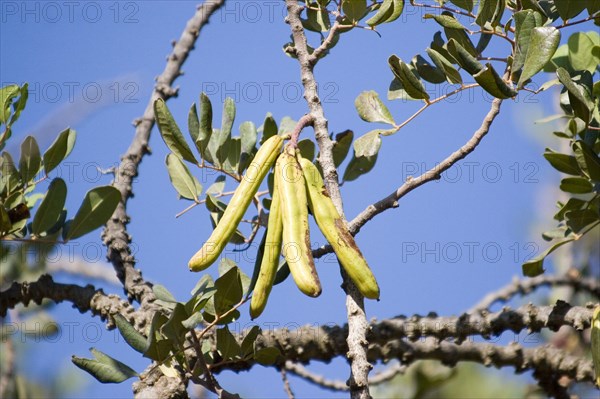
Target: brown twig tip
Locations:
point(306, 120)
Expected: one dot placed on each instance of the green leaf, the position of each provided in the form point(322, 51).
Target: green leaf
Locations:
point(136, 340)
point(461, 37)
point(19, 106)
point(59, 149)
point(368, 145)
point(464, 58)
point(446, 20)
point(464, 4)
point(5, 224)
point(491, 82)
point(525, 22)
point(267, 356)
point(31, 160)
point(571, 205)
point(51, 208)
point(286, 125)
point(595, 338)
point(227, 345)
point(7, 93)
point(193, 123)
point(535, 266)
point(227, 264)
point(105, 369)
point(562, 162)
point(184, 182)
point(354, 9)
point(452, 75)
point(576, 185)
point(396, 91)
point(283, 271)
point(269, 128)
point(568, 9)
point(578, 220)
point(341, 146)
point(427, 71)
point(587, 160)
point(389, 11)
point(579, 98)
point(247, 346)
point(228, 116)
point(582, 55)
point(159, 348)
point(543, 43)
point(193, 320)
point(170, 132)
point(307, 149)
point(234, 151)
point(218, 145)
point(490, 12)
point(217, 187)
point(173, 329)
point(359, 166)
point(229, 290)
point(10, 178)
point(410, 82)
point(162, 293)
point(371, 109)
point(97, 207)
point(205, 129)
point(248, 136)
point(317, 18)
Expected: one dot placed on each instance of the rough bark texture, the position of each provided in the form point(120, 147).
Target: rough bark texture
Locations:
point(115, 235)
point(357, 320)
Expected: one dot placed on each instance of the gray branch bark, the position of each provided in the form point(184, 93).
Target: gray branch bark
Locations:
point(84, 299)
point(357, 320)
point(413, 338)
point(526, 286)
point(115, 235)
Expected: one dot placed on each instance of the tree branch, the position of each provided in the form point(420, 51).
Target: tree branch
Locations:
point(115, 235)
point(84, 299)
point(524, 287)
point(391, 201)
point(337, 385)
point(357, 320)
point(387, 340)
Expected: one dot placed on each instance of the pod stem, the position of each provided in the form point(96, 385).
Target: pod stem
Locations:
point(306, 120)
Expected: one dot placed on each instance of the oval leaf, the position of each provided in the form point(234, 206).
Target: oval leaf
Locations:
point(371, 109)
point(105, 369)
point(368, 145)
point(59, 149)
point(31, 160)
point(576, 185)
point(50, 211)
point(543, 43)
point(97, 207)
point(136, 340)
point(410, 82)
point(171, 133)
point(184, 182)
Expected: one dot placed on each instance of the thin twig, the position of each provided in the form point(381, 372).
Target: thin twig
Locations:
point(338, 385)
point(525, 286)
point(286, 384)
point(391, 201)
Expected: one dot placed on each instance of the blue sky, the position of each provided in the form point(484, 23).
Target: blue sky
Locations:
point(91, 65)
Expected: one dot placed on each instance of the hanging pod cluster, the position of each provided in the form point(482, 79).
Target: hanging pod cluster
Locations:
point(298, 187)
